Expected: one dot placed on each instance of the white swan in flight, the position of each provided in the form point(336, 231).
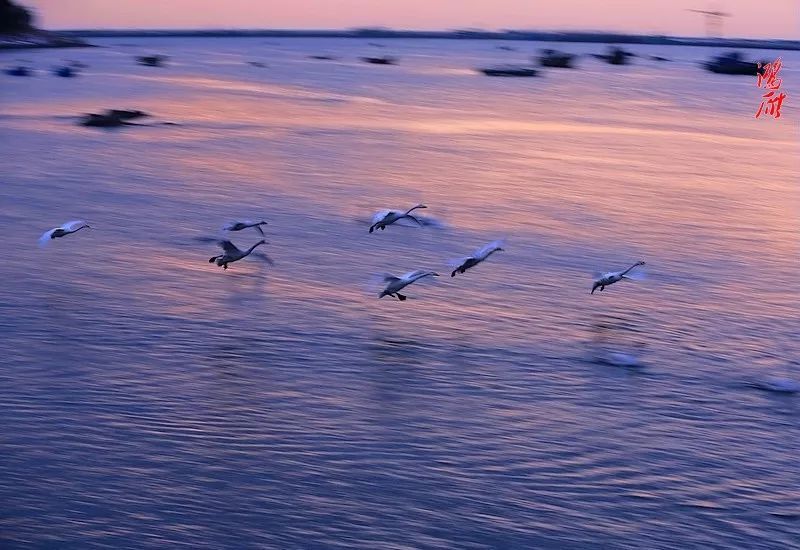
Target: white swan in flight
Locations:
point(612, 277)
point(65, 229)
point(232, 254)
point(388, 217)
point(244, 224)
point(395, 284)
point(480, 255)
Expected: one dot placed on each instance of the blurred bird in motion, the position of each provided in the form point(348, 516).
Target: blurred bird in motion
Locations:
point(479, 256)
point(232, 254)
point(239, 225)
point(612, 277)
point(388, 217)
point(395, 284)
point(65, 229)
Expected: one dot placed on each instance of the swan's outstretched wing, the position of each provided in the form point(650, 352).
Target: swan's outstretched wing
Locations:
point(263, 257)
point(458, 261)
point(411, 274)
point(229, 226)
point(379, 216)
point(46, 237)
point(389, 278)
point(73, 225)
point(228, 247)
point(485, 249)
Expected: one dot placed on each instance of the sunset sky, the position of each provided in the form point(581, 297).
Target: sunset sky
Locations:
point(749, 18)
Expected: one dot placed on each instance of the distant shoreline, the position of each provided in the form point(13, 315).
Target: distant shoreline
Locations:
point(607, 38)
point(35, 38)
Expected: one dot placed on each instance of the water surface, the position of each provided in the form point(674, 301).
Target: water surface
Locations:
point(149, 399)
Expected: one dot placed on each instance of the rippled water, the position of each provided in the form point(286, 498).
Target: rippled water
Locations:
point(149, 399)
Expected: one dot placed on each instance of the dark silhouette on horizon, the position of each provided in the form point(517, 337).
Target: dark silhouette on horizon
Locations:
point(14, 18)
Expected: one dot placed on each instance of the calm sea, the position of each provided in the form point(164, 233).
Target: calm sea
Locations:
point(150, 400)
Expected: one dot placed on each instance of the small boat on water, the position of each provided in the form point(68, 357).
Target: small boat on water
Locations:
point(111, 118)
point(615, 56)
point(65, 71)
point(19, 70)
point(151, 60)
point(385, 60)
point(731, 63)
point(509, 70)
point(556, 59)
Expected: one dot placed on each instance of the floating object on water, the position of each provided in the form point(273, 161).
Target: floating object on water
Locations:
point(232, 254)
point(111, 118)
point(396, 284)
point(778, 385)
point(612, 277)
point(731, 63)
point(151, 60)
point(386, 60)
point(65, 71)
point(238, 226)
point(617, 359)
point(616, 56)
point(19, 70)
point(388, 217)
point(509, 70)
point(556, 59)
point(479, 256)
point(62, 231)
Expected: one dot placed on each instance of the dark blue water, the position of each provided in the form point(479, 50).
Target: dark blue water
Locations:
point(149, 400)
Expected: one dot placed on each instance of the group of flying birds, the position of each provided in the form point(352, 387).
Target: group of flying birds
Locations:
point(231, 253)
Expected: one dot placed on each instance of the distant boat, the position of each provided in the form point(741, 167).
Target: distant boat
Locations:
point(65, 71)
point(509, 70)
point(732, 63)
point(19, 70)
point(111, 118)
point(151, 60)
point(556, 59)
point(616, 56)
point(386, 60)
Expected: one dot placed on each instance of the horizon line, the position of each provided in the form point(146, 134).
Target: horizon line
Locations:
point(367, 31)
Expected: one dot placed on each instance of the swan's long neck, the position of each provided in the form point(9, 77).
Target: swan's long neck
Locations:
point(249, 250)
point(414, 208)
point(81, 227)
